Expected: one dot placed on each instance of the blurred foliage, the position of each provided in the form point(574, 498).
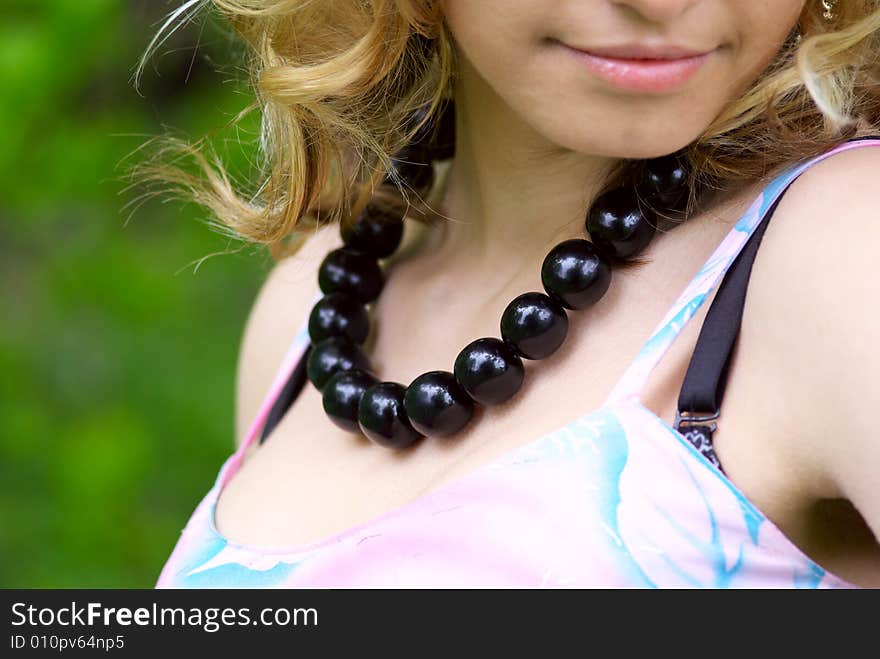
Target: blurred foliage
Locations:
point(117, 352)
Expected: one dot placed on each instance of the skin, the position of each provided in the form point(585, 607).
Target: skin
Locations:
point(535, 132)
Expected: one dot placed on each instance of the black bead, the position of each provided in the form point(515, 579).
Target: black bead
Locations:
point(436, 404)
point(382, 417)
point(489, 371)
point(347, 271)
point(534, 325)
point(373, 231)
point(664, 183)
point(331, 356)
point(575, 274)
point(413, 165)
point(618, 225)
point(342, 395)
point(339, 314)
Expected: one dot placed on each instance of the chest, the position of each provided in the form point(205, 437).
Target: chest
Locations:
point(312, 481)
point(610, 500)
point(320, 480)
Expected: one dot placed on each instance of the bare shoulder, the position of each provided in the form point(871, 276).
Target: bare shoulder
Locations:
point(831, 210)
point(280, 308)
point(813, 314)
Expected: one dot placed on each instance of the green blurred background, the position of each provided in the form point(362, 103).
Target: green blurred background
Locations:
point(117, 353)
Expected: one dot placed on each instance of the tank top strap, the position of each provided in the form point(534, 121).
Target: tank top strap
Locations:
point(708, 277)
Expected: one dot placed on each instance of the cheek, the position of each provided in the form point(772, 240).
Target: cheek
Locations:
point(763, 29)
point(494, 35)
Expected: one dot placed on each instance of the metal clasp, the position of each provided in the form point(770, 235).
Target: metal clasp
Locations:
point(695, 418)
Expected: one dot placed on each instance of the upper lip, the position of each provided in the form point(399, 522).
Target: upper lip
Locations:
point(642, 51)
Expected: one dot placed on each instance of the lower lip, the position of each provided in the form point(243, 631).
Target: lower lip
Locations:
point(644, 75)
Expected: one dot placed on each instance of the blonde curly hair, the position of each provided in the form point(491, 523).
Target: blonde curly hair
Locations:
point(337, 82)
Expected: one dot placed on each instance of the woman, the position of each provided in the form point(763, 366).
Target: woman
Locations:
point(549, 453)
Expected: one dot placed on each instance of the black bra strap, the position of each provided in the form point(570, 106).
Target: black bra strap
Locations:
point(700, 399)
point(699, 402)
point(288, 394)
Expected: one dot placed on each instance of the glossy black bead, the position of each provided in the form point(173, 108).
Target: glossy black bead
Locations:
point(342, 395)
point(436, 405)
point(339, 314)
point(665, 183)
point(534, 325)
point(374, 232)
point(489, 371)
point(413, 165)
point(331, 356)
point(575, 274)
point(619, 225)
point(346, 271)
point(382, 417)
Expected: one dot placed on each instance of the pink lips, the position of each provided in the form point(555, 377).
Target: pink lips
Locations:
point(640, 68)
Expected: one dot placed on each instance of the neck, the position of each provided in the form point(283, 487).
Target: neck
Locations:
point(510, 194)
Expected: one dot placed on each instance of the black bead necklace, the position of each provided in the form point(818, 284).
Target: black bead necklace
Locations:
point(575, 274)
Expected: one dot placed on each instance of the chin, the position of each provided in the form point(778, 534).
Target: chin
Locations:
point(621, 135)
point(643, 147)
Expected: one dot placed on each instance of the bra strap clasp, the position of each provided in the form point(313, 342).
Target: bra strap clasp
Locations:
point(693, 427)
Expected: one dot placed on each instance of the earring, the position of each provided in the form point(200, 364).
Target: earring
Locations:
point(828, 6)
point(828, 15)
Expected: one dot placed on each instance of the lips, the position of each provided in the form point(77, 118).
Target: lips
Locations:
point(642, 67)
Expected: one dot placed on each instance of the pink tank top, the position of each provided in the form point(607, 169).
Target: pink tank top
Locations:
point(615, 498)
